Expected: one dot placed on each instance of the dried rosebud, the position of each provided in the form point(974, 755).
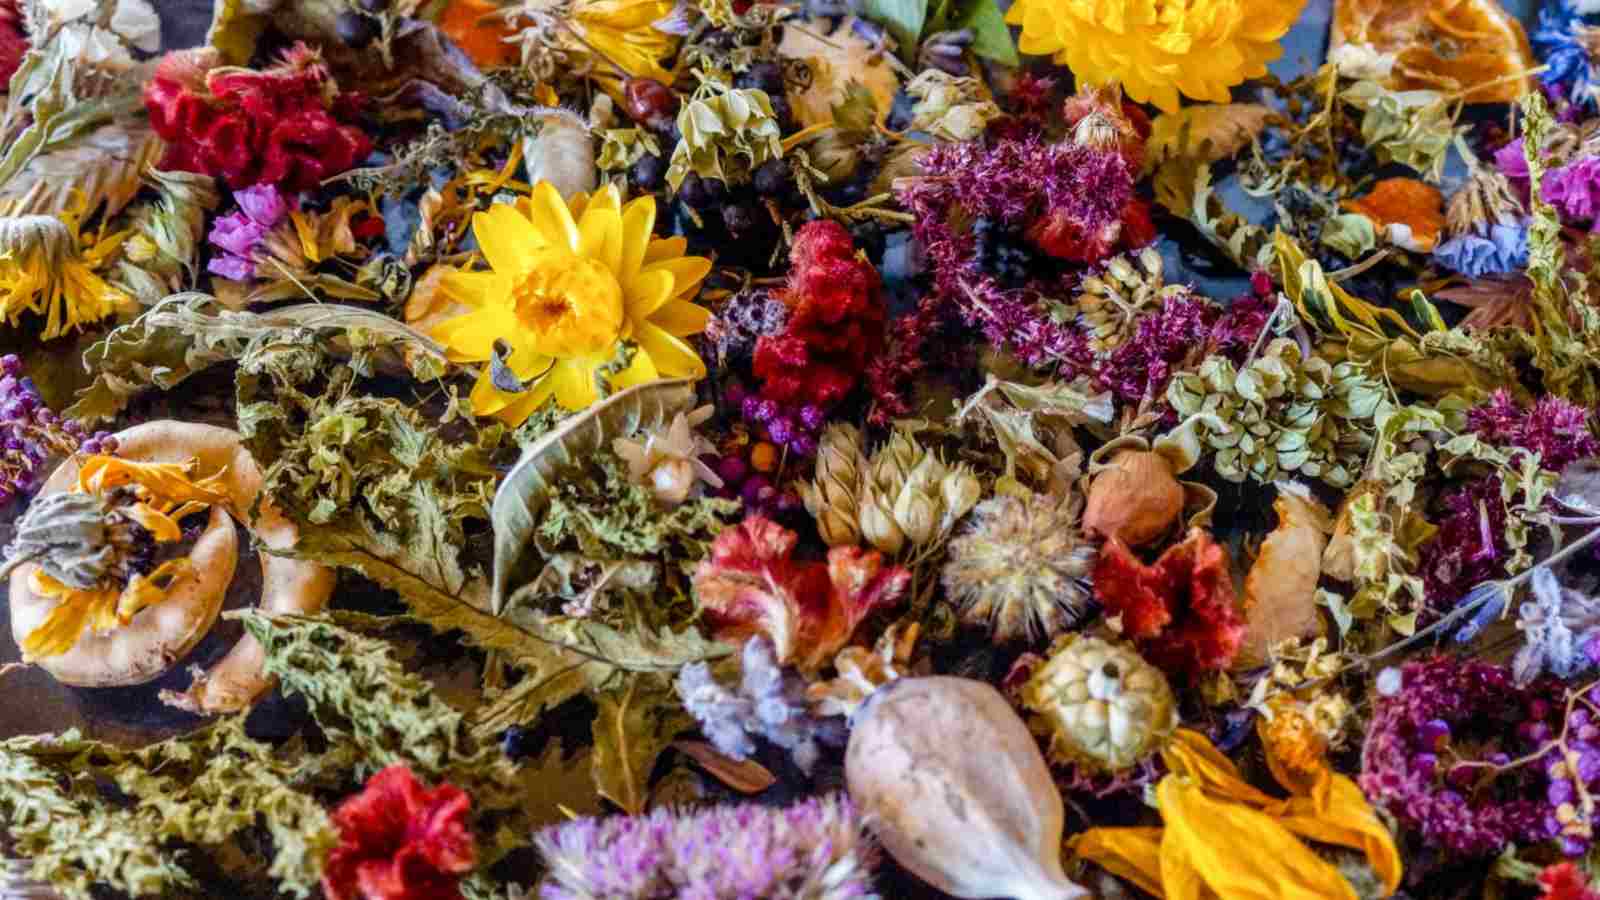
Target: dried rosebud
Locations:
point(1135, 498)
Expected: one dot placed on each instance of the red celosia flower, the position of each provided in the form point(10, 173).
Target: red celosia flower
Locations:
point(835, 324)
point(400, 841)
point(1565, 882)
point(13, 42)
point(287, 126)
point(751, 584)
point(1180, 609)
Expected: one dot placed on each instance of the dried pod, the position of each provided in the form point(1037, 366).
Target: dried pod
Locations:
point(1135, 496)
point(971, 824)
point(562, 152)
point(1104, 705)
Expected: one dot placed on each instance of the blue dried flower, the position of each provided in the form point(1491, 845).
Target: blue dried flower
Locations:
point(1559, 627)
point(816, 850)
point(770, 703)
point(1505, 250)
point(1490, 596)
point(1562, 42)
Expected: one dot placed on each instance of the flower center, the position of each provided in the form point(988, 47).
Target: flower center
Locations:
point(571, 304)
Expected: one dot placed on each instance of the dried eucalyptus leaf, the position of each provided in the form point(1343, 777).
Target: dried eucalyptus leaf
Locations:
point(524, 492)
point(103, 167)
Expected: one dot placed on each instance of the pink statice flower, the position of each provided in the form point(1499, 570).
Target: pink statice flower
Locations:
point(1574, 190)
point(237, 234)
point(816, 849)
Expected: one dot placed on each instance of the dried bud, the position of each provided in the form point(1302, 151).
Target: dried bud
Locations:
point(917, 513)
point(1136, 498)
point(1105, 706)
point(879, 527)
point(831, 496)
point(961, 491)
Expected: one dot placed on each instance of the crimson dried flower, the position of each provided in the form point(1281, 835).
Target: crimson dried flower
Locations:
point(752, 584)
point(1554, 428)
point(835, 323)
point(13, 40)
point(1180, 610)
point(1236, 331)
point(1565, 881)
point(287, 126)
point(398, 840)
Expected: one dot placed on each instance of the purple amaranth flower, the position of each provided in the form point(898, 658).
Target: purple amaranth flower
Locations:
point(1574, 189)
point(1503, 251)
point(769, 703)
point(1142, 366)
point(816, 849)
point(1554, 428)
point(237, 234)
point(1475, 711)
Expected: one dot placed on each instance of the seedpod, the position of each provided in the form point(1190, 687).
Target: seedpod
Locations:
point(146, 645)
point(957, 791)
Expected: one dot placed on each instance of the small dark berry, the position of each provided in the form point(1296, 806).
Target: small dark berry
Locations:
point(648, 173)
point(738, 218)
point(514, 742)
point(693, 191)
point(780, 110)
point(766, 76)
point(354, 29)
point(772, 178)
point(373, 6)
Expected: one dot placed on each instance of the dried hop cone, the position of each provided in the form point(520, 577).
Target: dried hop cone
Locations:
point(1021, 567)
point(1104, 706)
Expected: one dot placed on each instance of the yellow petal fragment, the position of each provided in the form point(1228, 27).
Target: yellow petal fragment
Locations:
point(1131, 853)
point(148, 590)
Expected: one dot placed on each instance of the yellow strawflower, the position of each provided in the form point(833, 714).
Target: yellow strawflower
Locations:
point(569, 281)
point(1158, 48)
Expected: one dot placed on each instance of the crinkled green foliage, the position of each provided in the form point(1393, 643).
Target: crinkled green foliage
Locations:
point(599, 511)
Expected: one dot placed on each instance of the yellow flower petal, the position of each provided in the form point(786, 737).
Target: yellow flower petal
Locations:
point(516, 412)
point(475, 289)
point(1131, 853)
point(672, 356)
point(647, 293)
point(687, 273)
point(681, 318)
point(574, 383)
point(505, 238)
point(640, 371)
point(638, 221)
point(148, 590)
point(665, 248)
point(600, 236)
point(165, 481)
point(74, 611)
point(470, 337)
point(551, 218)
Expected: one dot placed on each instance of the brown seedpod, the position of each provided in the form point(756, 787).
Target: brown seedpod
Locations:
point(957, 790)
point(1134, 493)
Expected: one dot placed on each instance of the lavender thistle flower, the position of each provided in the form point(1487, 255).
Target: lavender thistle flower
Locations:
point(816, 849)
point(770, 703)
point(1561, 630)
point(237, 234)
point(743, 318)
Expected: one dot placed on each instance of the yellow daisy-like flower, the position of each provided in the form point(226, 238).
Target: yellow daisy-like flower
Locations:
point(569, 281)
point(1157, 48)
point(624, 32)
point(163, 495)
point(48, 268)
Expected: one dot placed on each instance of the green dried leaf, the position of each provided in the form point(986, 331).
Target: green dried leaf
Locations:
point(1183, 187)
point(162, 254)
point(904, 20)
point(523, 495)
point(725, 136)
point(190, 332)
point(633, 727)
point(991, 37)
point(101, 168)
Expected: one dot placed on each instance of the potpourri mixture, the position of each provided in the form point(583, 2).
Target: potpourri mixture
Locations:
point(816, 449)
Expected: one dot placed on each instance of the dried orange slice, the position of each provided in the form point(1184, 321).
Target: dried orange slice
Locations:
point(1448, 45)
point(478, 28)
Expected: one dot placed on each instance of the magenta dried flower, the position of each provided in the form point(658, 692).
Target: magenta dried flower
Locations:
point(1141, 367)
point(1554, 428)
point(816, 849)
point(1432, 750)
point(238, 234)
point(1574, 189)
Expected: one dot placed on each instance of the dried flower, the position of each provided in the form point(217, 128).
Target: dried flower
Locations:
point(399, 840)
point(1021, 567)
point(1180, 610)
point(237, 234)
point(861, 672)
point(1566, 881)
point(1135, 496)
point(96, 551)
point(562, 304)
point(1560, 631)
point(1155, 52)
point(1554, 428)
point(831, 497)
point(769, 703)
point(751, 584)
point(950, 107)
point(726, 136)
point(50, 267)
point(13, 39)
point(1563, 42)
point(669, 461)
point(835, 323)
point(287, 125)
point(743, 319)
point(1503, 252)
point(1574, 190)
point(1409, 211)
point(816, 849)
point(1469, 711)
point(1209, 813)
point(1164, 342)
point(1111, 304)
point(1101, 704)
